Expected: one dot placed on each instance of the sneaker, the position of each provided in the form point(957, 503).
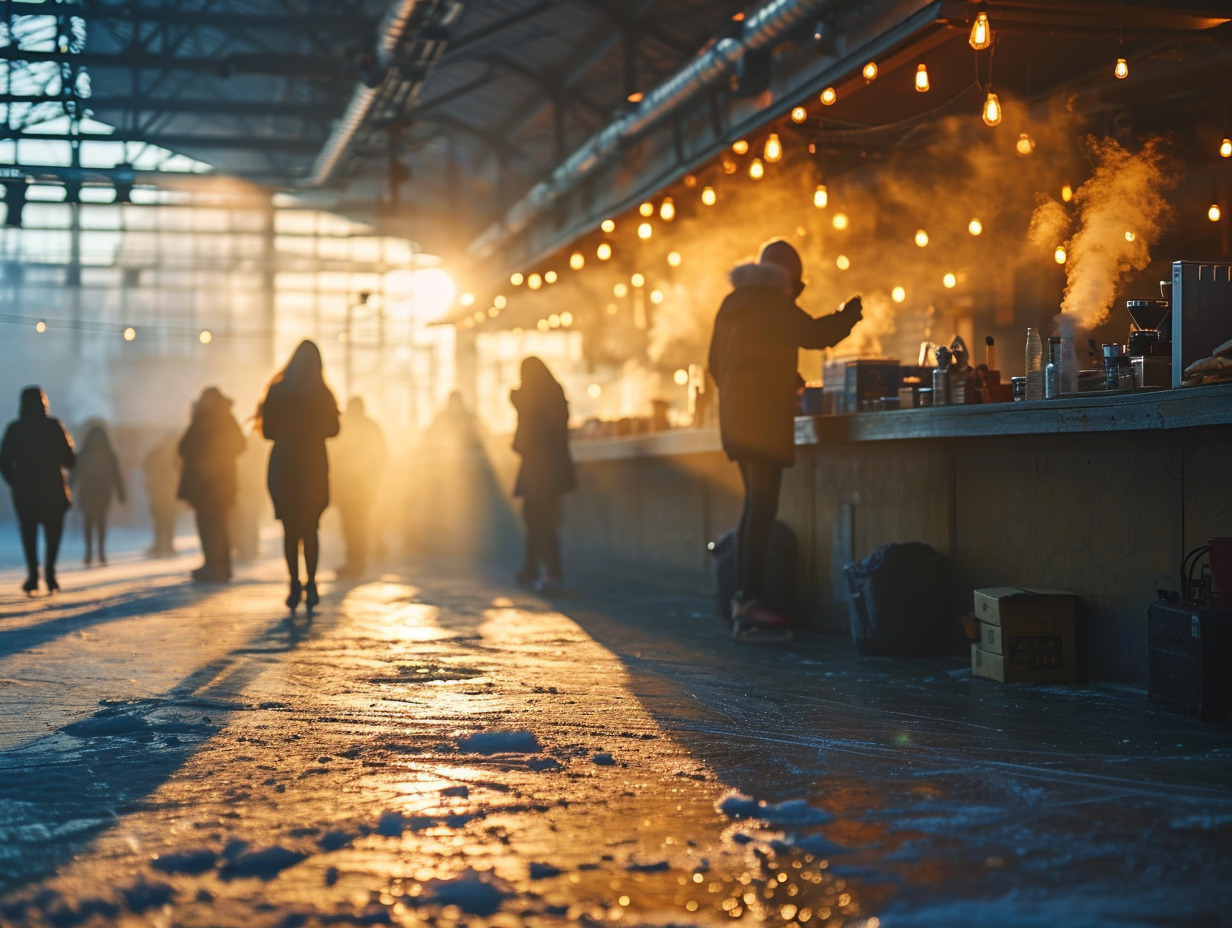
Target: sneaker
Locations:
point(753, 622)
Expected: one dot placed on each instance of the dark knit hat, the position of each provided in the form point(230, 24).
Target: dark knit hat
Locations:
point(777, 251)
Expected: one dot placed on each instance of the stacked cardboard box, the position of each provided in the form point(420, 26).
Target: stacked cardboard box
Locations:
point(1026, 635)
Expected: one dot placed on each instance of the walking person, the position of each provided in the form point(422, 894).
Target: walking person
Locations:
point(546, 473)
point(162, 478)
point(208, 481)
point(34, 454)
point(753, 359)
point(358, 461)
point(298, 413)
point(96, 479)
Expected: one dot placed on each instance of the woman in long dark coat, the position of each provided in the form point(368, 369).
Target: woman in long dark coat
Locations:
point(546, 473)
point(298, 413)
point(34, 454)
point(208, 481)
point(96, 478)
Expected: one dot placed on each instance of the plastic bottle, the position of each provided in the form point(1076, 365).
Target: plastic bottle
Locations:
point(1052, 372)
point(1035, 369)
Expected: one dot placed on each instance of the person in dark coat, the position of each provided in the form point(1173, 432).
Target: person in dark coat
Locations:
point(753, 359)
point(298, 413)
point(208, 481)
point(546, 473)
point(162, 479)
point(34, 454)
point(357, 463)
point(96, 479)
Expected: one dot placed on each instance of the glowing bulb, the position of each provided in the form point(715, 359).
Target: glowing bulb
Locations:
point(577, 261)
point(828, 96)
point(1225, 148)
point(799, 114)
point(1067, 193)
point(975, 227)
point(1059, 255)
point(594, 391)
point(549, 277)
point(1129, 235)
point(709, 197)
point(820, 196)
point(129, 334)
point(608, 225)
point(1025, 144)
point(921, 237)
point(681, 377)
point(981, 31)
point(992, 110)
point(644, 231)
point(870, 71)
point(499, 301)
point(1213, 213)
point(673, 258)
point(493, 311)
point(840, 221)
point(1122, 69)
point(656, 297)
point(898, 294)
point(479, 315)
point(554, 320)
point(921, 78)
point(729, 166)
point(534, 281)
point(774, 147)
point(40, 326)
point(466, 299)
point(604, 251)
point(620, 290)
point(206, 336)
point(516, 278)
point(842, 262)
point(638, 280)
point(757, 170)
point(646, 209)
point(740, 146)
point(949, 281)
point(566, 318)
point(667, 209)
point(542, 325)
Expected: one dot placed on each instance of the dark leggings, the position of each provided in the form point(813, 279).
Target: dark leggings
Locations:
point(542, 517)
point(53, 528)
point(96, 527)
point(762, 479)
point(215, 540)
point(293, 533)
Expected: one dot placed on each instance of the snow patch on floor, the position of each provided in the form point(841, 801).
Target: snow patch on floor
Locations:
point(500, 742)
point(796, 812)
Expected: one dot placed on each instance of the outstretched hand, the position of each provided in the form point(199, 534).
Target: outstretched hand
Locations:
point(853, 309)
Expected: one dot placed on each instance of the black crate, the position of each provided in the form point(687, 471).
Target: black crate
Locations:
point(1190, 659)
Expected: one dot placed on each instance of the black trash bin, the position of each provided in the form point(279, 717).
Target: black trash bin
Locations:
point(902, 602)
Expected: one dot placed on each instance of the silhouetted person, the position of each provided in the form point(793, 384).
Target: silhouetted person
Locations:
point(162, 480)
point(298, 413)
point(250, 500)
point(208, 481)
point(546, 473)
point(357, 460)
point(34, 454)
point(95, 480)
point(753, 358)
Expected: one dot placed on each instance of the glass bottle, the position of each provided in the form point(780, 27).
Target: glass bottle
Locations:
point(1035, 369)
point(1052, 373)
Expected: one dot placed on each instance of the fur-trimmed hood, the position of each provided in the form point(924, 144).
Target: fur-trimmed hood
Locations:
point(754, 274)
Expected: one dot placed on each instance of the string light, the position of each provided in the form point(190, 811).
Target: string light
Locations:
point(1059, 255)
point(709, 197)
point(620, 290)
point(542, 325)
point(757, 170)
point(40, 327)
point(466, 299)
point(673, 258)
point(949, 281)
point(638, 280)
point(516, 278)
point(499, 301)
point(594, 391)
point(604, 251)
point(493, 312)
point(870, 71)
point(1025, 144)
point(799, 114)
point(740, 146)
point(774, 147)
point(549, 277)
point(566, 318)
point(898, 294)
point(1225, 148)
point(205, 337)
point(842, 262)
point(480, 315)
point(839, 221)
point(534, 281)
point(921, 78)
point(681, 377)
point(1067, 193)
point(1213, 213)
point(667, 209)
point(644, 231)
point(820, 196)
point(981, 31)
point(656, 297)
point(608, 225)
point(129, 334)
point(1122, 69)
point(577, 261)
point(992, 110)
point(554, 320)
point(828, 96)
point(729, 165)
point(646, 209)
point(921, 238)
point(975, 227)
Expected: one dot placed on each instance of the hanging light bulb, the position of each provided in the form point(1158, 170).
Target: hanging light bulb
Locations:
point(921, 78)
point(740, 146)
point(534, 281)
point(828, 96)
point(1025, 144)
point(921, 238)
point(554, 320)
point(608, 225)
point(1213, 213)
point(620, 290)
point(566, 318)
point(774, 147)
point(1225, 148)
point(709, 197)
point(992, 110)
point(638, 279)
point(1122, 69)
point(981, 31)
point(1059, 255)
point(549, 277)
point(604, 251)
point(40, 327)
point(667, 209)
point(467, 299)
point(516, 278)
point(129, 334)
point(799, 114)
point(949, 281)
point(757, 170)
point(646, 209)
point(839, 221)
point(1067, 193)
point(975, 227)
point(577, 261)
point(205, 337)
point(499, 301)
point(898, 294)
point(673, 258)
point(820, 196)
point(870, 71)
point(644, 231)
point(729, 165)
point(842, 262)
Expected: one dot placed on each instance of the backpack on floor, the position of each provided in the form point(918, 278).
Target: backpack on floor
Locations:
point(901, 602)
point(779, 572)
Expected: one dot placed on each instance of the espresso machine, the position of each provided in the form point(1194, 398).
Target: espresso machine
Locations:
point(1150, 342)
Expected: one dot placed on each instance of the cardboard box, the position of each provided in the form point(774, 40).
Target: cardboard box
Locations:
point(1026, 635)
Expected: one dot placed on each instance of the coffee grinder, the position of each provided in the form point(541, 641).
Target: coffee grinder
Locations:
point(1150, 342)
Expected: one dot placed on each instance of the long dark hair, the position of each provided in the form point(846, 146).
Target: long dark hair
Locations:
point(303, 374)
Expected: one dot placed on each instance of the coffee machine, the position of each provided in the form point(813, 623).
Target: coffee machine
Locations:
point(1150, 342)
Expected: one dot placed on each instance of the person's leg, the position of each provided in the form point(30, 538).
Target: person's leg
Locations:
point(290, 551)
point(312, 551)
point(762, 480)
point(550, 545)
point(29, 546)
point(347, 516)
point(87, 527)
point(102, 537)
point(53, 530)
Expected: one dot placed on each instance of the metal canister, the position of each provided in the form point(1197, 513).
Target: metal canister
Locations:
point(941, 386)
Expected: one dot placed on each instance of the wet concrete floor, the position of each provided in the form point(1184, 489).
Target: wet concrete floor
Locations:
point(438, 747)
